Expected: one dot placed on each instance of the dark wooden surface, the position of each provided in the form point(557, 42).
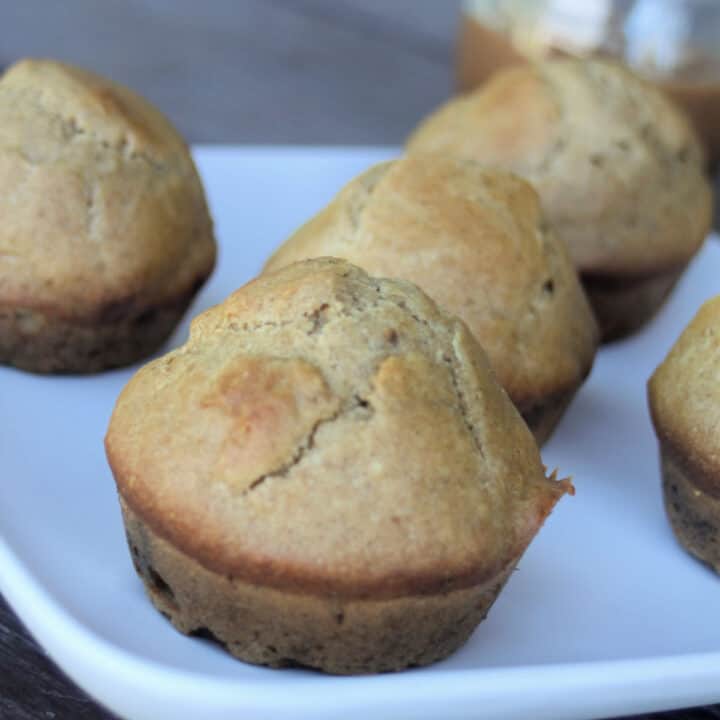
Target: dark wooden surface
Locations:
point(31, 686)
point(237, 71)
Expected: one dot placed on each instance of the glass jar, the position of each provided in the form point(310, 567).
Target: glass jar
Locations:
point(675, 43)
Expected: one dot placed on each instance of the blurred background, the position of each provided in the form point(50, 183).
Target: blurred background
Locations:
point(354, 71)
point(257, 71)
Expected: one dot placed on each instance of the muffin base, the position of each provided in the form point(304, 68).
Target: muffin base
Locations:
point(37, 342)
point(542, 417)
point(693, 512)
point(622, 305)
point(277, 628)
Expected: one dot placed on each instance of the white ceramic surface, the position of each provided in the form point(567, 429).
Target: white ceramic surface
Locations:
point(606, 615)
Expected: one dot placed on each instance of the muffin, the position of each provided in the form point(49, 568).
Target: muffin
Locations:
point(617, 166)
point(476, 242)
point(327, 474)
point(106, 235)
point(684, 396)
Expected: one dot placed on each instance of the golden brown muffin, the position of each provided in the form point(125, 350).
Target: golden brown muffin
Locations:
point(326, 474)
point(106, 235)
point(476, 242)
point(684, 396)
point(618, 168)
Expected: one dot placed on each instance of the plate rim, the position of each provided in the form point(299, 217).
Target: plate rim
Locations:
point(94, 662)
point(49, 620)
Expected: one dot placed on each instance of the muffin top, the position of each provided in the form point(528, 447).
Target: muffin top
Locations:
point(475, 240)
point(326, 431)
point(684, 394)
point(100, 200)
point(617, 165)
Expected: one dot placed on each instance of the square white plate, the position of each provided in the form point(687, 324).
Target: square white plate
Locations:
point(606, 615)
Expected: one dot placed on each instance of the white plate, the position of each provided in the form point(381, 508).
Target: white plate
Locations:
point(605, 616)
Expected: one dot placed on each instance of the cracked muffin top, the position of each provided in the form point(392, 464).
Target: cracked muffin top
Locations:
point(684, 397)
point(100, 200)
point(326, 431)
point(475, 240)
point(617, 165)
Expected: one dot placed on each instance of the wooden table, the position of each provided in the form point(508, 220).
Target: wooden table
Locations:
point(248, 71)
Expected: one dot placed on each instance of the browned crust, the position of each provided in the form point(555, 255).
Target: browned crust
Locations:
point(106, 227)
point(324, 521)
point(520, 298)
point(269, 572)
point(116, 335)
point(682, 395)
point(623, 304)
point(279, 574)
point(693, 510)
point(331, 633)
point(691, 463)
point(552, 122)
